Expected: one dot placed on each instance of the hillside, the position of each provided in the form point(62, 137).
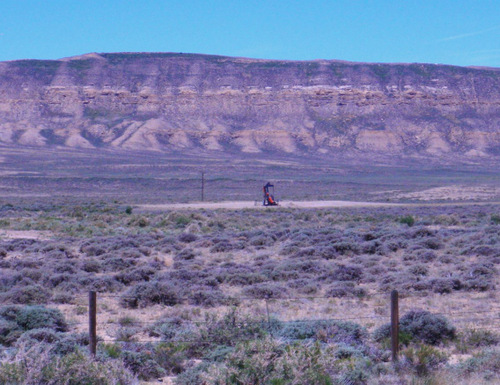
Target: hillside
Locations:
point(169, 102)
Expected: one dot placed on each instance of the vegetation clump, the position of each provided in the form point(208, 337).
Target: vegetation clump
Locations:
point(243, 302)
point(421, 326)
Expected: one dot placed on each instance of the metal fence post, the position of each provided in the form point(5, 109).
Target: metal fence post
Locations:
point(394, 325)
point(92, 322)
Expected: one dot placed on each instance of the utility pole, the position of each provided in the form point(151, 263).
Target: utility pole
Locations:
point(203, 186)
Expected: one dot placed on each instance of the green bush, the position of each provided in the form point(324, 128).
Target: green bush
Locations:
point(423, 359)
point(109, 351)
point(407, 220)
point(171, 356)
point(182, 221)
point(495, 218)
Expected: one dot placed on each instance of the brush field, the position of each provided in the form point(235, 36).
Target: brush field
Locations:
point(273, 296)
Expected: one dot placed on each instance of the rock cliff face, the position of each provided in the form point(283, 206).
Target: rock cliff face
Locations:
point(167, 102)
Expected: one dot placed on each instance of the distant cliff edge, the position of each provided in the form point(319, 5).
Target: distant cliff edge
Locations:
point(171, 101)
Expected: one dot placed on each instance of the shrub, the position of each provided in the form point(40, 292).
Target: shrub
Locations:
point(105, 351)
point(229, 329)
point(266, 290)
point(142, 364)
point(31, 294)
point(495, 219)
point(140, 221)
point(37, 336)
point(266, 362)
point(485, 361)
point(100, 283)
point(194, 375)
point(345, 247)
point(423, 359)
point(37, 366)
point(137, 274)
point(171, 356)
point(150, 293)
point(112, 263)
point(244, 278)
point(309, 288)
point(185, 255)
point(480, 277)
point(475, 338)
point(187, 237)
point(201, 338)
point(418, 270)
point(348, 273)
point(63, 298)
point(206, 296)
point(226, 245)
point(407, 220)
point(170, 328)
point(444, 285)
point(34, 317)
point(345, 289)
point(262, 240)
point(329, 331)
point(10, 331)
point(427, 256)
point(182, 221)
point(70, 343)
point(422, 326)
point(126, 333)
point(219, 353)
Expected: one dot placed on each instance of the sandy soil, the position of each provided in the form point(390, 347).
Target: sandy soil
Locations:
point(25, 234)
point(453, 193)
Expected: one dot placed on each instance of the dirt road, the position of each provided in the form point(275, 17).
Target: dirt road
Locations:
point(239, 205)
point(258, 205)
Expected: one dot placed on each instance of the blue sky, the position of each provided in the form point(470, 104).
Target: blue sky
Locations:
point(460, 32)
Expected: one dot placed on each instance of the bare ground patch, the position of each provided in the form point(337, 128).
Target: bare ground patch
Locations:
point(453, 193)
point(26, 234)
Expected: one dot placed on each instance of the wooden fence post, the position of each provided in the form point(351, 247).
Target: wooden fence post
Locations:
point(92, 323)
point(268, 319)
point(394, 325)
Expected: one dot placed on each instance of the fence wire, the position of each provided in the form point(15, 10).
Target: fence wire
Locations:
point(467, 319)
